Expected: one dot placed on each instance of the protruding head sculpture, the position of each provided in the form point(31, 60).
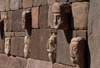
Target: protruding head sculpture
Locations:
point(27, 44)
point(51, 47)
point(77, 51)
point(59, 15)
point(26, 19)
point(7, 45)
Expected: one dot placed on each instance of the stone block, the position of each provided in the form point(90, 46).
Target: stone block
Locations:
point(71, 1)
point(9, 34)
point(17, 46)
point(28, 32)
point(63, 41)
point(14, 4)
point(1, 42)
point(20, 34)
point(56, 65)
point(31, 63)
point(3, 15)
point(35, 17)
point(81, 0)
point(2, 5)
point(62, 0)
point(20, 3)
point(39, 2)
point(43, 17)
point(51, 1)
point(50, 17)
point(27, 3)
point(80, 15)
point(7, 5)
point(82, 33)
point(16, 19)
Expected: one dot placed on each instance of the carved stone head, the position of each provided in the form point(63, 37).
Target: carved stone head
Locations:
point(59, 14)
point(26, 19)
point(77, 50)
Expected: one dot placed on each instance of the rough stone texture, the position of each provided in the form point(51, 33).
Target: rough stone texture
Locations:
point(20, 3)
point(81, 0)
point(3, 15)
point(27, 3)
point(1, 43)
point(56, 65)
point(14, 4)
point(62, 0)
point(82, 33)
point(50, 17)
point(31, 63)
point(2, 5)
point(35, 15)
point(71, 1)
point(63, 40)
point(7, 5)
point(94, 33)
point(51, 1)
point(43, 17)
point(39, 2)
point(16, 19)
point(20, 34)
point(9, 34)
point(80, 15)
point(17, 46)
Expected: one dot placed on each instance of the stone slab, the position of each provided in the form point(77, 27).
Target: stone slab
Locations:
point(16, 19)
point(82, 33)
point(4, 15)
point(1, 42)
point(51, 1)
point(2, 5)
point(63, 41)
point(81, 0)
point(31, 63)
point(14, 4)
point(7, 5)
point(17, 46)
point(43, 17)
point(39, 2)
point(20, 4)
point(35, 17)
point(80, 15)
point(27, 3)
point(9, 34)
point(62, 0)
point(20, 34)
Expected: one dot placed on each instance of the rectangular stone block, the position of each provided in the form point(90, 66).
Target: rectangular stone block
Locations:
point(20, 34)
point(7, 5)
point(63, 41)
point(16, 19)
point(62, 0)
point(9, 34)
point(80, 15)
point(2, 5)
point(31, 63)
point(4, 15)
point(50, 17)
point(82, 33)
point(35, 17)
point(81, 0)
point(43, 17)
point(20, 3)
point(1, 42)
point(27, 3)
point(51, 1)
point(56, 65)
point(39, 2)
point(71, 1)
point(17, 46)
point(14, 4)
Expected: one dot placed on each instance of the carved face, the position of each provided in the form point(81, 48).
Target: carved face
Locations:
point(56, 20)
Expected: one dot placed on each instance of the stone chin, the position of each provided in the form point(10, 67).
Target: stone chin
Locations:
point(74, 60)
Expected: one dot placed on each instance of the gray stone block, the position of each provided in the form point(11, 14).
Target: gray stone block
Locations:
point(39, 2)
point(27, 3)
point(20, 34)
point(2, 5)
point(14, 4)
point(9, 34)
point(51, 1)
point(7, 5)
point(1, 42)
point(82, 33)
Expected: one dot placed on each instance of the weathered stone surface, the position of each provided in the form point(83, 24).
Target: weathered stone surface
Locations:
point(20, 3)
point(94, 33)
point(14, 4)
point(56, 65)
point(28, 32)
point(1, 42)
point(39, 2)
point(43, 17)
point(9, 34)
point(51, 1)
point(20, 34)
point(7, 5)
point(31, 63)
point(16, 19)
point(27, 3)
point(62, 0)
point(17, 46)
point(35, 17)
point(3, 15)
point(63, 40)
point(80, 15)
point(82, 33)
point(71, 1)
point(2, 5)
point(81, 0)
point(50, 17)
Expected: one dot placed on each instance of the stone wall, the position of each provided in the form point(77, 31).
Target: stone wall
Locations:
point(40, 27)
